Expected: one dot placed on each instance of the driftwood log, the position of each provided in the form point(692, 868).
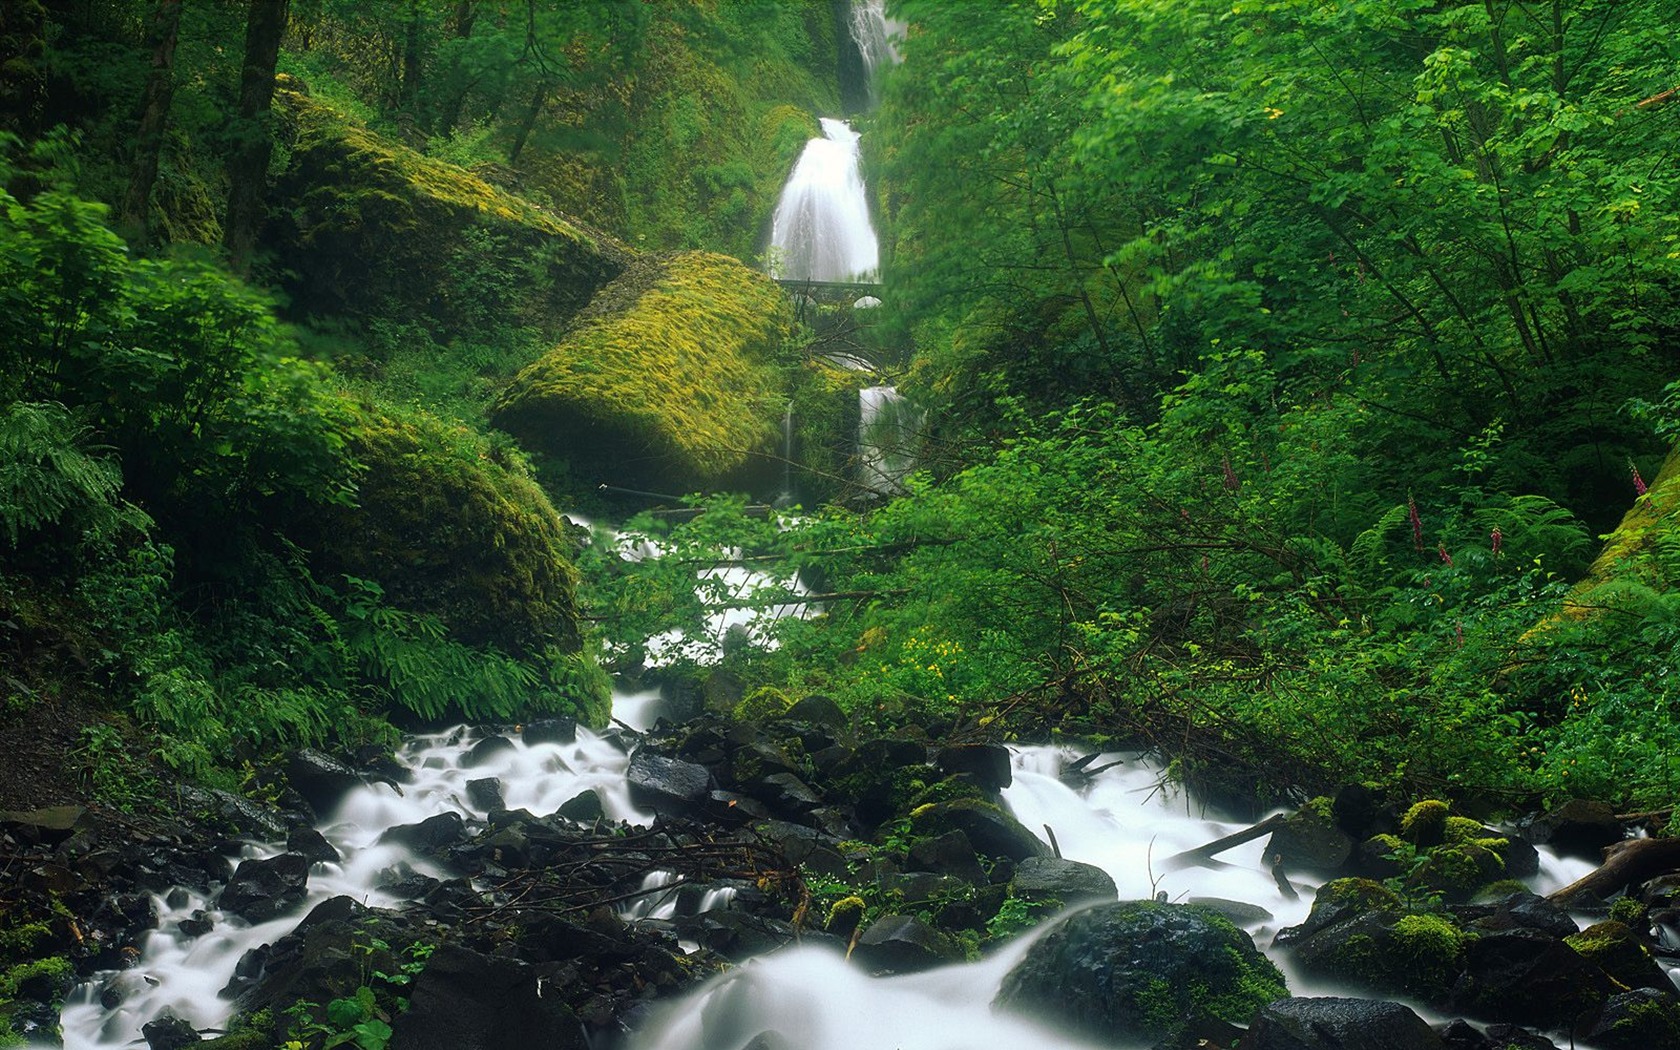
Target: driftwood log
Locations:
point(1202, 856)
point(1626, 863)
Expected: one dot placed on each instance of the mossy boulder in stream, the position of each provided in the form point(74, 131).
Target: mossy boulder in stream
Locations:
point(1142, 971)
point(666, 381)
point(366, 226)
point(449, 526)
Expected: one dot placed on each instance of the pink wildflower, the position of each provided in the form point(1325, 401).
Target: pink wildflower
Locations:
point(1417, 522)
point(1458, 629)
point(1231, 482)
point(1441, 549)
point(1638, 482)
point(1498, 539)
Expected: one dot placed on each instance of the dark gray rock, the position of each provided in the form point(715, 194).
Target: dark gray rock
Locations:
point(1577, 828)
point(904, 944)
point(432, 835)
point(1525, 977)
point(1240, 912)
point(1338, 1024)
point(817, 710)
point(1067, 881)
point(1309, 841)
point(311, 845)
point(467, 1001)
point(1641, 1019)
point(1519, 910)
point(485, 793)
point(485, 750)
point(1141, 971)
point(584, 808)
point(168, 1033)
point(992, 831)
point(321, 779)
point(669, 786)
point(988, 764)
point(265, 889)
point(557, 730)
point(948, 854)
point(233, 814)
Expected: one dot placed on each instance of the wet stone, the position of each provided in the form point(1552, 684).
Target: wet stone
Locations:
point(311, 844)
point(485, 793)
point(1338, 1024)
point(265, 889)
point(168, 1033)
point(485, 750)
point(584, 807)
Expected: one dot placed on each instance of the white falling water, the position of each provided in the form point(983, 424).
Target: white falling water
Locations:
point(889, 436)
point(821, 230)
point(875, 35)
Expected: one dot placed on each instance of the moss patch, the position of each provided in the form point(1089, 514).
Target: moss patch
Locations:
point(370, 227)
point(666, 381)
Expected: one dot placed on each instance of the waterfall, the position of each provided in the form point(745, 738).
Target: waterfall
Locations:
point(821, 230)
point(889, 435)
point(873, 33)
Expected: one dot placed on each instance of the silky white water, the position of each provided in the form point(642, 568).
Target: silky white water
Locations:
point(889, 437)
point(821, 229)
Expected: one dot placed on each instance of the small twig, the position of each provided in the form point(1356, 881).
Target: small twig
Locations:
point(1054, 845)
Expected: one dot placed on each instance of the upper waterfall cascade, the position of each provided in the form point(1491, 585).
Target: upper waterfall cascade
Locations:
point(821, 230)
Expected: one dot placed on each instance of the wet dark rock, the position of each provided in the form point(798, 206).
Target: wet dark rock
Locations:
point(169, 1033)
point(311, 845)
point(668, 786)
point(1517, 911)
point(197, 926)
point(1363, 811)
point(1525, 977)
point(738, 936)
point(1240, 912)
point(265, 889)
point(1310, 841)
point(1461, 1035)
point(485, 750)
point(817, 710)
point(1640, 1019)
point(321, 779)
point(558, 730)
point(485, 793)
point(1338, 1024)
point(1578, 828)
point(1613, 948)
point(1386, 953)
point(948, 854)
point(431, 836)
point(404, 883)
point(1141, 970)
point(36, 1023)
point(1066, 881)
point(904, 944)
point(785, 793)
point(992, 831)
point(48, 826)
point(584, 808)
point(464, 1000)
point(232, 814)
point(988, 764)
point(329, 954)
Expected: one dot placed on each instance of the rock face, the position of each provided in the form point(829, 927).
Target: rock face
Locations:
point(466, 1001)
point(1142, 971)
point(367, 226)
point(664, 382)
point(264, 889)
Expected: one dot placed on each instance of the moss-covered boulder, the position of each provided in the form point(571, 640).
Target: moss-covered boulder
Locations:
point(366, 226)
point(1630, 555)
point(451, 526)
point(665, 382)
point(1360, 935)
point(1142, 970)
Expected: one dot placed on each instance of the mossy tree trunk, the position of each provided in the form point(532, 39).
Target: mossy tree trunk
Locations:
point(154, 117)
point(265, 24)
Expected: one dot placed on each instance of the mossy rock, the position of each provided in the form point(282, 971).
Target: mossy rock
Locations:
point(1425, 823)
point(762, 704)
point(449, 526)
point(369, 227)
point(667, 380)
point(1358, 933)
point(1142, 971)
point(1612, 946)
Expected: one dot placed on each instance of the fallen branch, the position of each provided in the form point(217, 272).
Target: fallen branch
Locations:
point(1626, 862)
point(1201, 855)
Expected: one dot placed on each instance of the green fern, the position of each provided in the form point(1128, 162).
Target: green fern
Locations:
point(50, 474)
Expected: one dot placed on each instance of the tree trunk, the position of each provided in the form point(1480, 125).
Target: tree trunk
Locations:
point(466, 14)
point(154, 117)
point(248, 162)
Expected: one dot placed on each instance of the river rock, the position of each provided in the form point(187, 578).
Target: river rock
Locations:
point(668, 786)
point(988, 764)
point(485, 750)
point(48, 826)
point(1578, 828)
point(1338, 1024)
point(584, 807)
point(464, 1000)
point(1525, 977)
point(168, 1033)
point(904, 944)
point(817, 710)
point(431, 836)
point(321, 779)
point(1140, 971)
point(485, 793)
point(311, 845)
point(265, 889)
point(993, 832)
point(1310, 841)
point(1519, 910)
point(948, 854)
point(1065, 881)
point(232, 814)
point(1640, 1019)
point(557, 730)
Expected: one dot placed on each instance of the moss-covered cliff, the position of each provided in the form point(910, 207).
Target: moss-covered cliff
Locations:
point(363, 225)
point(666, 380)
